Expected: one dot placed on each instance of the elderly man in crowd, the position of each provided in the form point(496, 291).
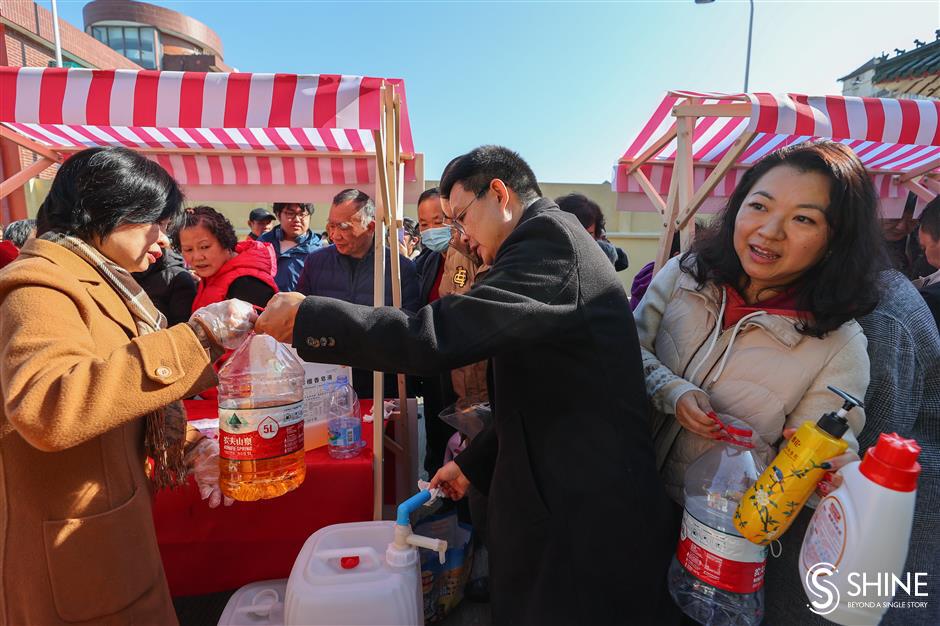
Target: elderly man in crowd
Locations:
point(346, 269)
point(292, 240)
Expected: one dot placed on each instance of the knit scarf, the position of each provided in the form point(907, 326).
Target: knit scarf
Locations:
point(166, 427)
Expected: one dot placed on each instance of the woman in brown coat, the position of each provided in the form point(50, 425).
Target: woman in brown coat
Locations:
point(91, 382)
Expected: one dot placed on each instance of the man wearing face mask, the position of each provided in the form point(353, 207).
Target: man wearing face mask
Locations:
point(576, 506)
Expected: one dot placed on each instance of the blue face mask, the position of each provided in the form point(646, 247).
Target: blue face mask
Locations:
point(436, 239)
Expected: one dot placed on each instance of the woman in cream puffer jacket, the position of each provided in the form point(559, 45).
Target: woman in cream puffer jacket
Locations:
point(758, 319)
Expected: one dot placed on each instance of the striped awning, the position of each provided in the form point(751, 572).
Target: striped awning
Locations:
point(211, 128)
point(891, 137)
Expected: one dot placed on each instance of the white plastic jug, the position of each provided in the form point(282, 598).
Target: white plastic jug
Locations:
point(341, 577)
point(359, 573)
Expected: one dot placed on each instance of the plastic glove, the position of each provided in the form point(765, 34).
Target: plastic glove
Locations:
point(227, 322)
point(203, 460)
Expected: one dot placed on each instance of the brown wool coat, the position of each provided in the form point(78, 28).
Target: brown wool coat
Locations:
point(77, 541)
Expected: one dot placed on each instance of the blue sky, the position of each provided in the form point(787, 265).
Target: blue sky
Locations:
point(567, 84)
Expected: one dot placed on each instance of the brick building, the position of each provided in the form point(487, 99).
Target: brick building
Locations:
point(118, 34)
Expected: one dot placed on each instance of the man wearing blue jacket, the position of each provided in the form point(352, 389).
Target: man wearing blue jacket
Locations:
point(346, 269)
point(292, 240)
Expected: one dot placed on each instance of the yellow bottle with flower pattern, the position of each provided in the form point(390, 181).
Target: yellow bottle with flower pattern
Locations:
point(773, 502)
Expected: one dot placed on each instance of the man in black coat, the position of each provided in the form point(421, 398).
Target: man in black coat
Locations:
point(578, 526)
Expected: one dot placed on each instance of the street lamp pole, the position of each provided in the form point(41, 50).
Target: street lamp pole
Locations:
point(747, 62)
point(55, 33)
point(750, 30)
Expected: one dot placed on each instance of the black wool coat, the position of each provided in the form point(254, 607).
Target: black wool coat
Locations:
point(579, 529)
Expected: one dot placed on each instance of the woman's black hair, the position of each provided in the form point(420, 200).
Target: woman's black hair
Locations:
point(213, 221)
point(98, 189)
point(586, 210)
point(843, 284)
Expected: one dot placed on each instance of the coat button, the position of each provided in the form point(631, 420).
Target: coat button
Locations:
point(332, 342)
point(311, 341)
point(323, 341)
point(163, 372)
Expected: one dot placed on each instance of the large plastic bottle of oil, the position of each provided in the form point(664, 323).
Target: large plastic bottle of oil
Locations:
point(261, 421)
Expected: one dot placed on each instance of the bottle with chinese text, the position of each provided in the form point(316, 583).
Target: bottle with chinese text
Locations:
point(261, 423)
point(771, 505)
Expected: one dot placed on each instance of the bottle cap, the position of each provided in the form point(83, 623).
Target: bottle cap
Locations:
point(834, 424)
point(892, 462)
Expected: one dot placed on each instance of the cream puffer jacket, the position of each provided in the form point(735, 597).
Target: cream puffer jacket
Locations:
point(761, 371)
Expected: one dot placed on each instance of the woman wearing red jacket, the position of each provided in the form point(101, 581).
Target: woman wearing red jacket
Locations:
point(227, 268)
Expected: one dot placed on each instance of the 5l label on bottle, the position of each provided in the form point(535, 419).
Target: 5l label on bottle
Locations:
point(257, 434)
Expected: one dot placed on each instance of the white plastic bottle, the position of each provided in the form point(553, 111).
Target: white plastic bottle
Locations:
point(854, 550)
point(345, 421)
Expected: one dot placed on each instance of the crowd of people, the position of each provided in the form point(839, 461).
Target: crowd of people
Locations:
point(121, 303)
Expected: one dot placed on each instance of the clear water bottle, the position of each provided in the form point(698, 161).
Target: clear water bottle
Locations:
point(717, 576)
point(345, 421)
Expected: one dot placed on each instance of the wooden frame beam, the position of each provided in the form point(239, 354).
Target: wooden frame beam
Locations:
point(921, 192)
point(920, 171)
point(29, 144)
point(19, 179)
point(737, 109)
point(689, 211)
point(650, 152)
point(651, 193)
point(932, 184)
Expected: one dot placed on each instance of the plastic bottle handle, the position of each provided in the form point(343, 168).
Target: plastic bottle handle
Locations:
point(368, 555)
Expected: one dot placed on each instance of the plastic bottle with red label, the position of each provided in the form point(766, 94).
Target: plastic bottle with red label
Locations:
point(261, 421)
point(717, 576)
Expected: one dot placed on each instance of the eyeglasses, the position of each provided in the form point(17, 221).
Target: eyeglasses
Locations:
point(457, 221)
point(289, 215)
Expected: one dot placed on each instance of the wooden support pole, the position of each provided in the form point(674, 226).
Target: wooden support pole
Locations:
point(29, 144)
point(685, 183)
point(689, 210)
point(378, 378)
point(651, 193)
point(652, 151)
point(19, 179)
point(665, 244)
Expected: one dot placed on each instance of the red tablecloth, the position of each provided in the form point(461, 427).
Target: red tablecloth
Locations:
point(208, 550)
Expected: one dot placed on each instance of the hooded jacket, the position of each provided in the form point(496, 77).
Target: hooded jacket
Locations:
point(761, 371)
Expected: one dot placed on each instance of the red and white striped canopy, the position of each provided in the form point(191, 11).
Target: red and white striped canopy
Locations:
point(889, 136)
point(214, 128)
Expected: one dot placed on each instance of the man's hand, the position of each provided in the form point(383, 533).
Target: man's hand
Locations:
point(451, 480)
point(278, 317)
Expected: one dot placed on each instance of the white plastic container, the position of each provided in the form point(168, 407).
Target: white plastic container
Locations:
point(359, 573)
point(341, 577)
point(855, 547)
point(256, 604)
